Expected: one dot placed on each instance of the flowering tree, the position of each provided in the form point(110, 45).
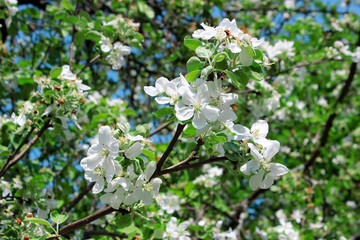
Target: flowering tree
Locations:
point(179, 120)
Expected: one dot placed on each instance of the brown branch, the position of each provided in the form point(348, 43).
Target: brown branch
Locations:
point(86, 220)
point(188, 166)
point(25, 150)
point(167, 152)
point(78, 198)
point(88, 64)
point(73, 37)
point(330, 120)
point(304, 65)
point(159, 128)
point(191, 156)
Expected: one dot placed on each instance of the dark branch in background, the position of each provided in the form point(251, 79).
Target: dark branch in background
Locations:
point(12, 160)
point(159, 128)
point(73, 37)
point(304, 65)
point(330, 120)
point(78, 198)
point(86, 220)
point(89, 63)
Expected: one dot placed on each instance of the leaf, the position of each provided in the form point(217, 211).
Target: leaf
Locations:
point(232, 146)
point(163, 112)
point(149, 154)
point(192, 76)
point(93, 35)
point(206, 71)
point(205, 51)
point(191, 43)
point(23, 81)
point(55, 72)
point(146, 9)
point(256, 71)
point(67, 5)
point(57, 217)
point(38, 221)
point(238, 79)
point(79, 38)
point(194, 63)
point(123, 221)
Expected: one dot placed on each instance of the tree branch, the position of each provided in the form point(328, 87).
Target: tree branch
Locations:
point(159, 128)
point(13, 161)
point(86, 220)
point(89, 63)
point(167, 152)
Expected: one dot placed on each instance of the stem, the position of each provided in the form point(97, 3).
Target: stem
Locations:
point(88, 64)
point(73, 37)
point(159, 128)
point(78, 198)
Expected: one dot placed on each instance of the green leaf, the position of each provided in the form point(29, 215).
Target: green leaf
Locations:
point(232, 146)
point(205, 51)
point(123, 221)
point(67, 5)
point(57, 217)
point(238, 79)
point(93, 35)
point(189, 132)
point(146, 9)
point(194, 63)
point(190, 186)
point(23, 81)
point(131, 229)
point(256, 71)
point(163, 112)
point(55, 72)
point(149, 154)
point(79, 38)
point(206, 71)
point(38, 221)
point(191, 43)
point(191, 76)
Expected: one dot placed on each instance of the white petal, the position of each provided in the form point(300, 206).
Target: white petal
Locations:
point(250, 167)
point(277, 169)
point(146, 197)
point(90, 162)
point(199, 120)
point(271, 147)
point(99, 185)
point(161, 84)
point(268, 181)
point(210, 112)
point(118, 198)
point(105, 136)
point(150, 90)
point(156, 186)
point(106, 198)
point(150, 169)
point(66, 73)
point(183, 225)
point(256, 180)
point(241, 132)
point(184, 113)
point(260, 129)
point(162, 100)
point(254, 152)
point(134, 151)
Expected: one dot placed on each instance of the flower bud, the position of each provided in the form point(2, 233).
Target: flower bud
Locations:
point(58, 88)
point(61, 101)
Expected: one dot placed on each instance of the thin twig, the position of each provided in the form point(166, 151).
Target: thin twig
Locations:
point(88, 64)
point(159, 128)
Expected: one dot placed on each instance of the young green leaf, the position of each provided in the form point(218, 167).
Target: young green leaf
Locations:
point(192, 76)
point(57, 217)
point(191, 43)
point(194, 63)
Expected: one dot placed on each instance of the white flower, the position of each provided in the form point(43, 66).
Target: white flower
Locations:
point(116, 56)
point(105, 44)
point(134, 151)
point(175, 232)
point(170, 203)
point(102, 154)
point(198, 105)
point(20, 120)
point(144, 187)
point(66, 73)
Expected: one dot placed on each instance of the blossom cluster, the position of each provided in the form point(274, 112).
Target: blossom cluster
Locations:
point(207, 105)
point(123, 184)
point(59, 96)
